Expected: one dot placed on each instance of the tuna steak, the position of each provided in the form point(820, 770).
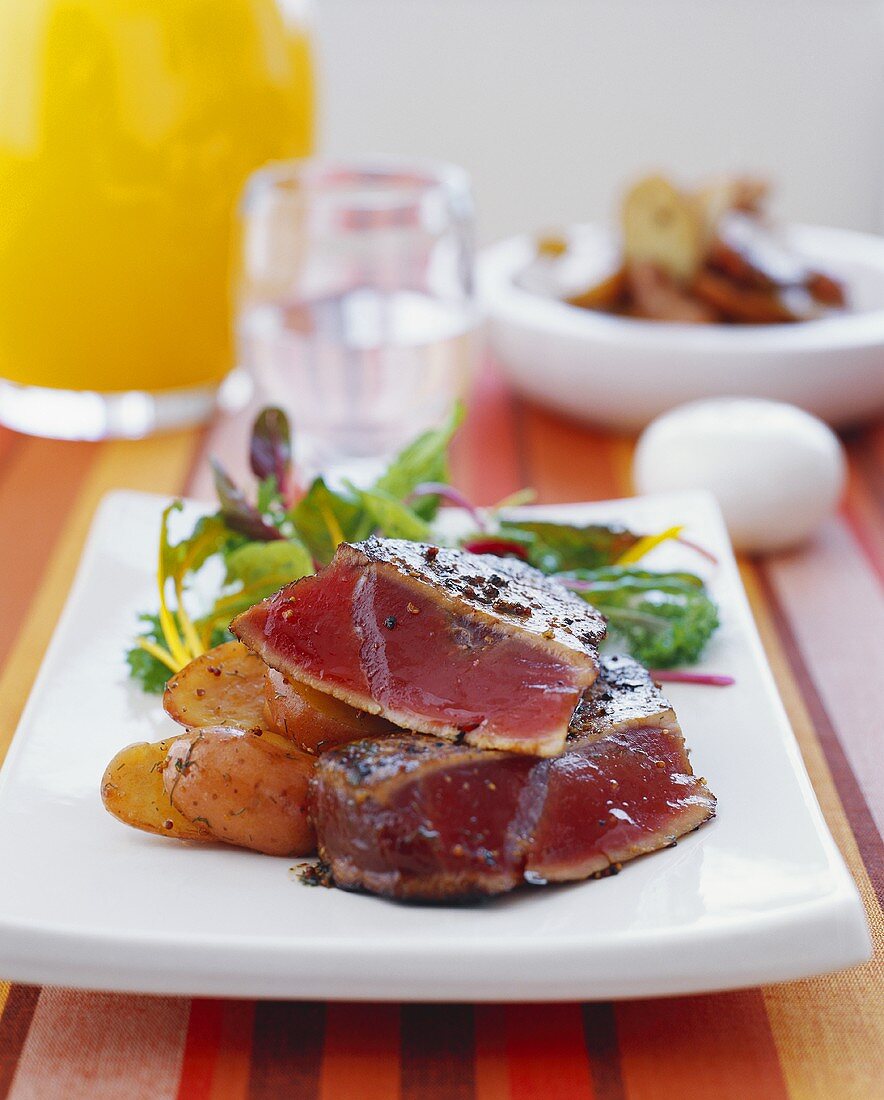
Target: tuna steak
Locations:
point(420, 818)
point(439, 641)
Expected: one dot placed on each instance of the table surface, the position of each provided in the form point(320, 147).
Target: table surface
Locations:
point(820, 612)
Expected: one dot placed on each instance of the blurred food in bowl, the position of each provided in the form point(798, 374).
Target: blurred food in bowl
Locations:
point(620, 371)
point(709, 256)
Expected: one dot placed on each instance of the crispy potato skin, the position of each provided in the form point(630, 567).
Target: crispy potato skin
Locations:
point(132, 790)
point(662, 226)
point(244, 788)
point(314, 721)
point(225, 686)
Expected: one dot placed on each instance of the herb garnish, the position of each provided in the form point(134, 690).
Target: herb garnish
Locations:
point(282, 533)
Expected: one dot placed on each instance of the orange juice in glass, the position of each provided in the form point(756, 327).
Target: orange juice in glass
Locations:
point(127, 130)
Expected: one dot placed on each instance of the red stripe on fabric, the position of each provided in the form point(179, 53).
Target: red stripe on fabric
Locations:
point(286, 1050)
point(231, 1078)
point(39, 489)
point(868, 540)
point(200, 1049)
point(719, 1046)
point(14, 1026)
point(438, 1052)
point(600, 1035)
point(484, 458)
point(546, 1052)
point(866, 454)
point(868, 838)
point(863, 507)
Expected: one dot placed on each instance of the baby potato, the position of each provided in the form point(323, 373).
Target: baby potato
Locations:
point(223, 687)
point(132, 790)
point(315, 721)
point(246, 788)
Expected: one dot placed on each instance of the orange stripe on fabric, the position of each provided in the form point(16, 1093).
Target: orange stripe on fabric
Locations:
point(491, 1065)
point(546, 1052)
point(9, 441)
point(567, 462)
point(101, 1046)
point(360, 1056)
point(721, 1044)
point(485, 460)
point(157, 465)
point(37, 494)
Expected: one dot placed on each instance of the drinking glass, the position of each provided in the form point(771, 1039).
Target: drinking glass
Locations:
point(356, 306)
point(127, 131)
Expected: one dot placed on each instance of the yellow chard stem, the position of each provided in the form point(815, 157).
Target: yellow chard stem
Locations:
point(167, 622)
point(331, 522)
point(191, 639)
point(645, 545)
point(157, 651)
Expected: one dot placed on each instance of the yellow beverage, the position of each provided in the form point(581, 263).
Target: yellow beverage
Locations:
point(127, 129)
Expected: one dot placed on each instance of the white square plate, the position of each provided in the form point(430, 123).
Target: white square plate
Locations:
point(758, 895)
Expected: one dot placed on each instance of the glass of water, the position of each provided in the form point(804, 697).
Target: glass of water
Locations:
point(356, 307)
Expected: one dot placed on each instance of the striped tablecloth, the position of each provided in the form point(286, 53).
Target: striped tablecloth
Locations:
point(821, 616)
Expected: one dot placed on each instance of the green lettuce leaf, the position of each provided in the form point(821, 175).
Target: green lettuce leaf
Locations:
point(324, 517)
point(256, 570)
point(426, 459)
point(391, 518)
point(662, 619)
point(559, 547)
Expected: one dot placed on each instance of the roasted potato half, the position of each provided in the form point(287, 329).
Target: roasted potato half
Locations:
point(247, 789)
point(132, 790)
point(316, 721)
point(223, 687)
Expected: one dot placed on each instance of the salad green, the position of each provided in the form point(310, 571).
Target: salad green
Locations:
point(279, 534)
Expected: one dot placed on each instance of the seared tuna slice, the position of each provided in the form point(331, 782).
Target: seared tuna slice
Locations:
point(420, 818)
point(439, 641)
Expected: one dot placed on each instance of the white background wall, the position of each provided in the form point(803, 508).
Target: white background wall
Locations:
point(551, 104)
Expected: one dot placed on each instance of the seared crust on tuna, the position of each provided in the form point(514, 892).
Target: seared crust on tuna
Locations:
point(437, 641)
point(419, 818)
point(624, 696)
point(505, 590)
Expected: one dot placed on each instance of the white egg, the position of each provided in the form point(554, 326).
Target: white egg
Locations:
point(776, 471)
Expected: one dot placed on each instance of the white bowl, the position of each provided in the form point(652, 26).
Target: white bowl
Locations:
point(622, 372)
